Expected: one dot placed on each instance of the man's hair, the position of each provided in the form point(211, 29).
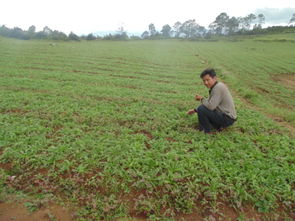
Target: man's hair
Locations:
point(209, 71)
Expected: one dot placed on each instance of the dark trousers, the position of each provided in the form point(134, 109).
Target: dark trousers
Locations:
point(209, 119)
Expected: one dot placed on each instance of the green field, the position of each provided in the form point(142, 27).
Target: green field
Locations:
point(102, 127)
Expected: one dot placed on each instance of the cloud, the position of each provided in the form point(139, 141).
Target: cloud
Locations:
point(276, 15)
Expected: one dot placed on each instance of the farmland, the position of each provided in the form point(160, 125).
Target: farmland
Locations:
point(102, 127)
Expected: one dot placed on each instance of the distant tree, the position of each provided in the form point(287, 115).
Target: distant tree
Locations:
point(121, 34)
point(31, 31)
point(145, 35)
point(73, 37)
point(40, 35)
point(292, 19)
point(4, 31)
point(166, 31)
point(191, 29)
point(248, 21)
point(134, 37)
point(232, 25)
point(202, 31)
point(57, 35)
point(251, 18)
point(116, 37)
point(242, 24)
point(219, 26)
point(47, 31)
point(108, 37)
point(90, 37)
point(176, 29)
point(152, 30)
point(17, 32)
point(260, 21)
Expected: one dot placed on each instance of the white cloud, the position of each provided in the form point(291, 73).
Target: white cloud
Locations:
point(276, 15)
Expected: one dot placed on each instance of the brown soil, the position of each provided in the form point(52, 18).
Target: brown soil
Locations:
point(5, 166)
point(130, 87)
point(124, 76)
point(287, 79)
point(16, 111)
point(38, 68)
point(18, 212)
point(170, 139)
point(146, 133)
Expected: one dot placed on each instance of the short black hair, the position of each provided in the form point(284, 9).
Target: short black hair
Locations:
point(209, 71)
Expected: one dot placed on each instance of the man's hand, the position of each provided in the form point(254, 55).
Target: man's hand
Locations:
point(191, 111)
point(198, 97)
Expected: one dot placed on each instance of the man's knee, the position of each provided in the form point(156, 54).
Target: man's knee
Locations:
point(201, 109)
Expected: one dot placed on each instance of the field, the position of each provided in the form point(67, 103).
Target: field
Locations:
point(101, 128)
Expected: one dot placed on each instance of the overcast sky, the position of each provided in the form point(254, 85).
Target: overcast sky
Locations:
point(87, 16)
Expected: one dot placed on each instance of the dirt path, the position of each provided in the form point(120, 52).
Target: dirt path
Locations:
point(16, 211)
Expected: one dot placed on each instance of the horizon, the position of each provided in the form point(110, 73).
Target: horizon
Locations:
point(102, 33)
point(90, 16)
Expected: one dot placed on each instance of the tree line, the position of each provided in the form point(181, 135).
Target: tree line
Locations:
point(222, 25)
point(190, 29)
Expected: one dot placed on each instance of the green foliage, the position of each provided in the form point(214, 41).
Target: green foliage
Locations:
point(31, 33)
point(32, 207)
point(73, 37)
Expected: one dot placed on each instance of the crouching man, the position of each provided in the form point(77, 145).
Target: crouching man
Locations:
point(217, 111)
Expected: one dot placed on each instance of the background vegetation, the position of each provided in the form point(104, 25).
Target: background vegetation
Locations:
point(190, 29)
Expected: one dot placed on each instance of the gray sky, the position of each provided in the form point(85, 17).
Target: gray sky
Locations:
point(86, 16)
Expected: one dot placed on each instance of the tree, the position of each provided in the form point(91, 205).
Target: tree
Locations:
point(145, 35)
point(73, 37)
point(232, 25)
point(248, 21)
point(292, 19)
point(32, 29)
point(17, 32)
point(57, 35)
point(152, 30)
point(4, 31)
point(251, 18)
point(134, 37)
point(121, 34)
point(219, 26)
point(176, 29)
point(166, 31)
point(90, 37)
point(191, 29)
point(260, 21)
point(47, 31)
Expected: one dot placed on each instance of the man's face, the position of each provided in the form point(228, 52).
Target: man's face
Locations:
point(209, 81)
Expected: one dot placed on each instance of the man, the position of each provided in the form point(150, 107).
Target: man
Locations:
point(218, 111)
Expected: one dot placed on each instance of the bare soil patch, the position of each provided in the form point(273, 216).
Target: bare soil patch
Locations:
point(146, 133)
point(18, 212)
point(15, 111)
point(286, 79)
